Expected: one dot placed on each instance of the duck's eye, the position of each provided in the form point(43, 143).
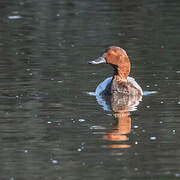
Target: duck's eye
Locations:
point(112, 52)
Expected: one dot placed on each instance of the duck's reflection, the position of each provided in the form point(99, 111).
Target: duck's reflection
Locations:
point(121, 128)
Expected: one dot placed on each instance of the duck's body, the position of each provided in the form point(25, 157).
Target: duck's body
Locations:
point(110, 86)
point(120, 83)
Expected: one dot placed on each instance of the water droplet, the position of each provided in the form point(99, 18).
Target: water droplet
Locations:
point(162, 46)
point(135, 169)
point(81, 120)
point(153, 138)
point(136, 126)
point(14, 17)
point(79, 149)
point(54, 161)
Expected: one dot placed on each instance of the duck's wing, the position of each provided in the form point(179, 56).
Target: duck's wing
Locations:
point(134, 83)
point(104, 87)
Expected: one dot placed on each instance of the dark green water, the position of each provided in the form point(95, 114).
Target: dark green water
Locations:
point(50, 128)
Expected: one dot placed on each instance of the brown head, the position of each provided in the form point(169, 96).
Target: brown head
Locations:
point(118, 59)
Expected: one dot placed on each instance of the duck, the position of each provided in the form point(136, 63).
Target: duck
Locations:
point(120, 85)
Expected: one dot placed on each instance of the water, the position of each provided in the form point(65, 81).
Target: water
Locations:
point(50, 127)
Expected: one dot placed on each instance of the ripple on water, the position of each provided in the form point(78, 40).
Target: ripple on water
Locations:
point(15, 17)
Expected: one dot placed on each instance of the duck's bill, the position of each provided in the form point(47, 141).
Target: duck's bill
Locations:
point(98, 61)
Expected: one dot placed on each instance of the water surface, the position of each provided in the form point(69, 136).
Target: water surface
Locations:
point(50, 128)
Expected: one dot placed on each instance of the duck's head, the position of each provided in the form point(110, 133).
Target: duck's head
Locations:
point(118, 59)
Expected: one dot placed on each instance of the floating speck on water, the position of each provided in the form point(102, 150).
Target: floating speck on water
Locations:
point(153, 138)
point(160, 122)
point(72, 45)
point(57, 15)
point(30, 74)
point(177, 71)
point(166, 78)
point(148, 106)
point(14, 17)
point(49, 122)
point(26, 151)
point(136, 126)
point(52, 79)
point(155, 85)
point(109, 114)
point(60, 81)
point(81, 120)
point(179, 102)
point(135, 169)
point(143, 130)
point(54, 161)
point(17, 96)
point(79, 149)
point(97, 127)
point(174, 131)
point(12, 178)
point(136, 142)
point(148, 86)
point(162, 102)
point(177, 174)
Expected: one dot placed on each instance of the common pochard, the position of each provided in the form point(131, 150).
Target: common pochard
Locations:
point(120, 84)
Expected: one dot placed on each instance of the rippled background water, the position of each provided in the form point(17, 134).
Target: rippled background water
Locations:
point(50, 128)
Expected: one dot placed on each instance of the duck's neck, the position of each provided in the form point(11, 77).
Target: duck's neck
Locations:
point(119, 75)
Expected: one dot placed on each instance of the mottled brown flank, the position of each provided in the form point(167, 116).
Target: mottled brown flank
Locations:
point(125, 88)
